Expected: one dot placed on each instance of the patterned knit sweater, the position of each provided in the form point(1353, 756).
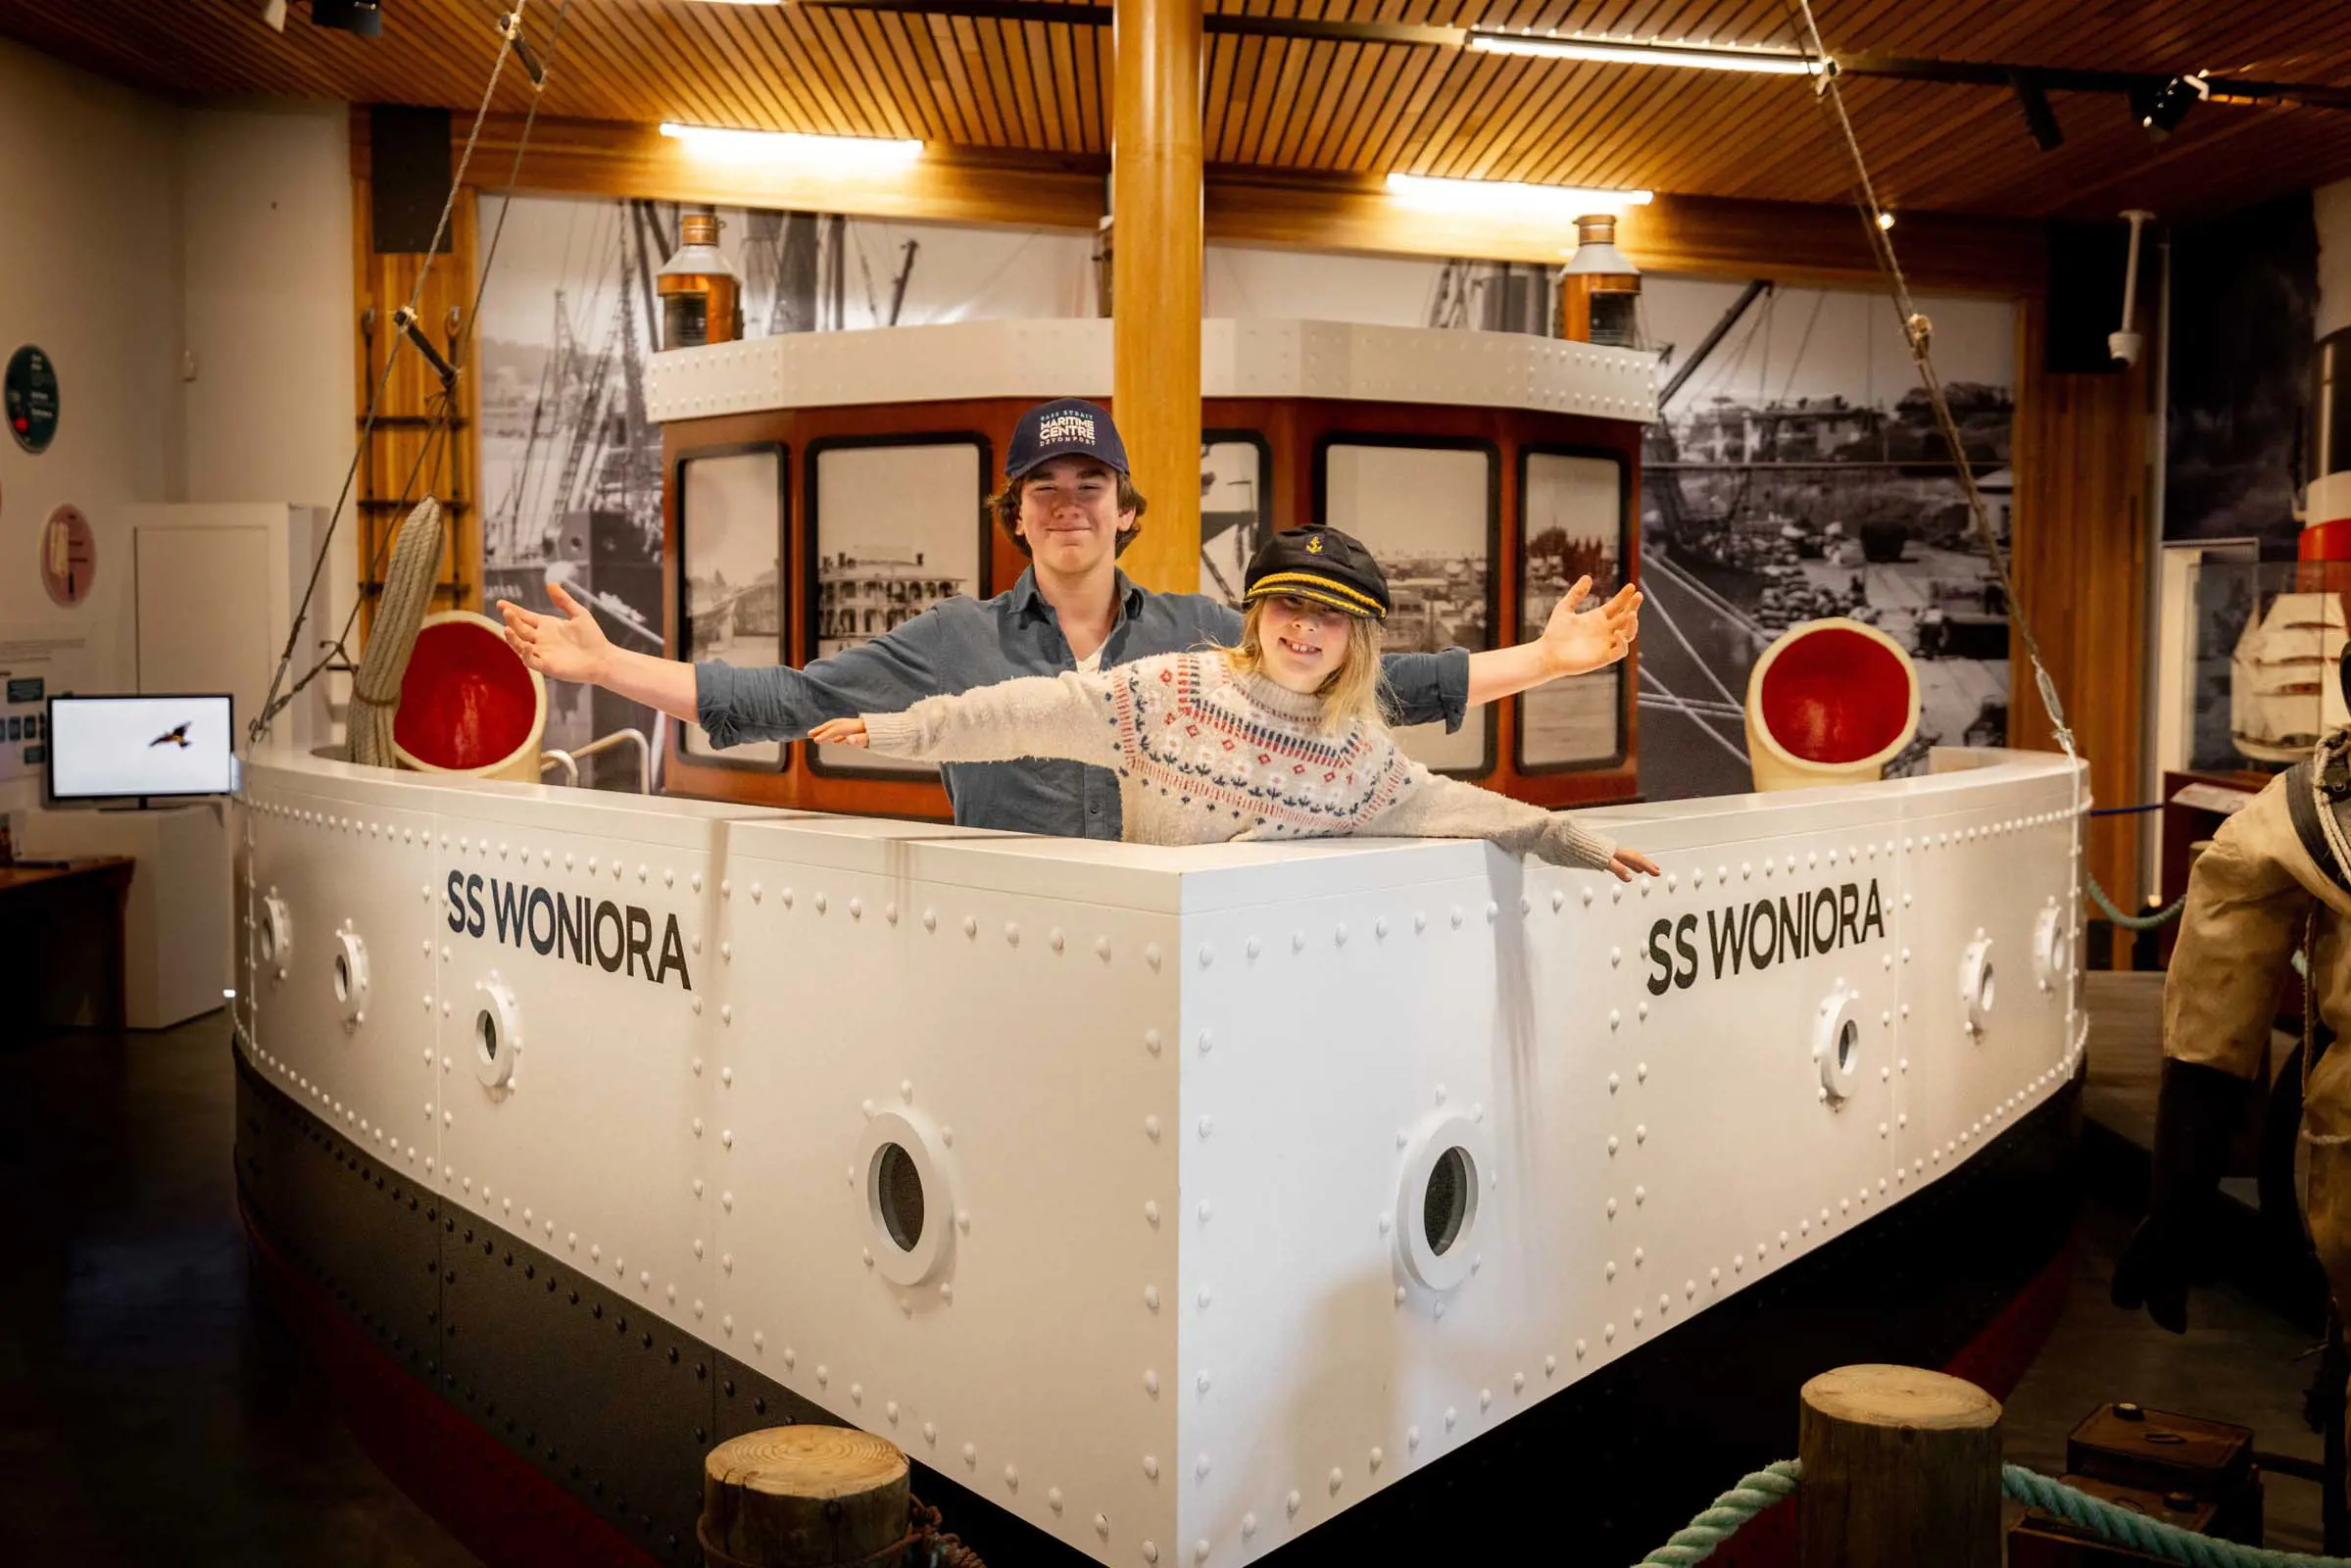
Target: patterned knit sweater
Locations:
point(1204, 756)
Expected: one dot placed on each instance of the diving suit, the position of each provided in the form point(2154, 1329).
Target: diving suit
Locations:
point(2277, 875)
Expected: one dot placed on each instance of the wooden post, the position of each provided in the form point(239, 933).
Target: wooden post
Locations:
point(1154, 312)
point(802, 1497)
point(1901, 1467)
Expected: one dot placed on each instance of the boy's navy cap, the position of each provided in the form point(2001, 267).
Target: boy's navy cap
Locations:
point(1324, 566)
point(1063, 429)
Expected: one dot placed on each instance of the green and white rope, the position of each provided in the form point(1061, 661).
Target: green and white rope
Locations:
point(1754, 1493)
point(1777, 1481)
point(2134, 922)
point(2143, 1534)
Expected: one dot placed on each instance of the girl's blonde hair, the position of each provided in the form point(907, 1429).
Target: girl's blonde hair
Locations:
point(1351, 693)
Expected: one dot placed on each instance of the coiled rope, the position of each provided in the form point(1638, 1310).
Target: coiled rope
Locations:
point(408, 593)
point(1773, 1482)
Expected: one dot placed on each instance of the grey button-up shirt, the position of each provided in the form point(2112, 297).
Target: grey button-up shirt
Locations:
point(964, 643)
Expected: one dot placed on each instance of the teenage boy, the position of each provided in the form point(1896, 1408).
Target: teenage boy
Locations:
point(1069, 505)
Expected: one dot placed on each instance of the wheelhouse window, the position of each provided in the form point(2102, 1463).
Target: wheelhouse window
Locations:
point(1236, 475)
point(731, 514)
point(895, 528)
point(1429, 511)
point(1571, 524)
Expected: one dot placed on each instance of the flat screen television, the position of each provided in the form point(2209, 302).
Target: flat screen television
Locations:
point(140, 748)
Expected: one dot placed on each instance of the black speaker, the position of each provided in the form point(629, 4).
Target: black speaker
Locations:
point(361, 17)
point(2086, 295)
point(408, 175)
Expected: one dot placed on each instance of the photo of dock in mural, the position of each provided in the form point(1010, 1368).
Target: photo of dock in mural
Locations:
point(1796, 473)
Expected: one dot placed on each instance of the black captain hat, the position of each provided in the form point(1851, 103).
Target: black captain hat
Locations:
point(1065, 427)
point(1324, 566)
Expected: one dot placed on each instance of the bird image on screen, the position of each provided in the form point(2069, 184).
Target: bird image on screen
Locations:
point(140, 748)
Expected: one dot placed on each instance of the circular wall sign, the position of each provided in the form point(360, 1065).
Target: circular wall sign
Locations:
point(28, 399)
point(68, 556)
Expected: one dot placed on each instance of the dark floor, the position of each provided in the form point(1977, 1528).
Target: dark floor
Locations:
point(149, 1415)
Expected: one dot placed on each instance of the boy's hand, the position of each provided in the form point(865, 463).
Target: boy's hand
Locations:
point(1627, 861)
point(574, 647)
point(840, 732)
point(1575, 642)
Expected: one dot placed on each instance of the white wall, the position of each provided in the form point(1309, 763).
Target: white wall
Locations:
point(265, 191)
point(189, 272)
point(90, 237)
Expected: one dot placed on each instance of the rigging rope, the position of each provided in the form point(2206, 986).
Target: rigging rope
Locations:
point(510, 35)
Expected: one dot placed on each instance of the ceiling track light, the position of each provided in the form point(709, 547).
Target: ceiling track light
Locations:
point(2161, 108)
point(1628, 52)
point(2039, 119)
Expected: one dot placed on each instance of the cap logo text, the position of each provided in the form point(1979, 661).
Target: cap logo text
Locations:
point(1067, 427)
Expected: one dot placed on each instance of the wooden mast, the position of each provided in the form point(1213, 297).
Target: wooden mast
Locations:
point(1154, 309)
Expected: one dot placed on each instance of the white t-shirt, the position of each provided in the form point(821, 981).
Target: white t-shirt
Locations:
point(1092, 664)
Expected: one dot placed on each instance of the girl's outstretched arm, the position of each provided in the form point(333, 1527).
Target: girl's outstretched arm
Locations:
point(1434, 808)
point(1064, 715)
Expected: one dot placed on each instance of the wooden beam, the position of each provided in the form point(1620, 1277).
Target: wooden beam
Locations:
point(1156, 280)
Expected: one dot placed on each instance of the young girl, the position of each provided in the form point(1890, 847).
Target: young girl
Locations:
point(1280, 738)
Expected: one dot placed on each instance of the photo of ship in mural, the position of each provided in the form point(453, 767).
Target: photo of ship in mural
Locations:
point(1764, 506)
point(571, 467)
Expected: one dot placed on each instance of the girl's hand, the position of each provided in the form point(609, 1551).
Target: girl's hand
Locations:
point(840, 732)
point(1627, 861)
point(1574, 641)
point(572, 647)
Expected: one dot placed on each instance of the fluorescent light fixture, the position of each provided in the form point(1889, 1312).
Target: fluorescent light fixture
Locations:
point(837, 153)
point(1625, 52)
point(1505, 198)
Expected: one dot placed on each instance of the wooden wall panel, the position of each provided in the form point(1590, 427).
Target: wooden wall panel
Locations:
point(403, 459)
point(1710, 237)
point(2080, 551)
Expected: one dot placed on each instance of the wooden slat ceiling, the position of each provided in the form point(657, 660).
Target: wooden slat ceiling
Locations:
point(1355, 107)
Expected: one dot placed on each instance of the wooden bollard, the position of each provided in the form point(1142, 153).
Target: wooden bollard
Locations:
point(1901, 1467)
point(802, 1497)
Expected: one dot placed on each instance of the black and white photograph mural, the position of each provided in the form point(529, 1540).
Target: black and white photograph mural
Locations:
point(1796, 473)
point(572, 469)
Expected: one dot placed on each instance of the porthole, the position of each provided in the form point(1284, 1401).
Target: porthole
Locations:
point(349, 967)
point(898, 1196)
point(1837, 1044)
point(273, 936)
point(497, 1033)
point(2053, 948)
point(1449, 1168)
point(906, 1189)
point(1978, 989)
point(1449, 1201)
